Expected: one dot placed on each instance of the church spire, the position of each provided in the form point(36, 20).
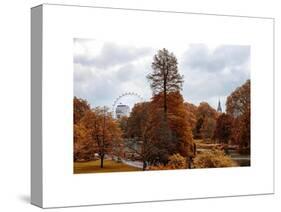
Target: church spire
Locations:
point(219, 107)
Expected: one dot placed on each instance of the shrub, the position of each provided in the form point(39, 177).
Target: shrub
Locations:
point(213, 159)
point(176, 161)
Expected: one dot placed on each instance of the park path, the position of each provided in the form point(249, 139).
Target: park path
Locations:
point(136, 164)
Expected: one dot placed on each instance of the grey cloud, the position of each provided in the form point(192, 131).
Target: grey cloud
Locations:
point(102, 87)
point(126, 72)
point(210, 75)
point(112, 54)
point(199, 57)
point(81, 75)
point(98, 90)
point(114, 70)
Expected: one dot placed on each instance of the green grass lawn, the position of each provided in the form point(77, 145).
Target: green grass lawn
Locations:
point(108, 166)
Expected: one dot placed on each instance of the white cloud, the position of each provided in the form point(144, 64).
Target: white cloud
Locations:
point(105, 70)
point(213, 74)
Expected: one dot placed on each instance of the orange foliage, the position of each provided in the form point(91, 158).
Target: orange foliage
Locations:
point(83, 147)
point(95, 132)
point(178, 130)
point(224, 128)
point(80, 107)
point(239, 106)
point(206, 121)
point(104, 131)
point(191, 114)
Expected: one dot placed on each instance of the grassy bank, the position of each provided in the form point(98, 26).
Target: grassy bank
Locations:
point(109, 166)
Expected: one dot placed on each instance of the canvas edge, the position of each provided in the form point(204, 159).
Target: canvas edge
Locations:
point(36, 106)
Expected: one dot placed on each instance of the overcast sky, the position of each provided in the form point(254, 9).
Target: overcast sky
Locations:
point(105, 70)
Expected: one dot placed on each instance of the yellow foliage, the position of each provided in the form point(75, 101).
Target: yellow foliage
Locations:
point(176, 161)
point(213, 159)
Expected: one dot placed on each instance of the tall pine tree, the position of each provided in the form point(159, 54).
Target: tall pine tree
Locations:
point(165, 77)
point(170, 130)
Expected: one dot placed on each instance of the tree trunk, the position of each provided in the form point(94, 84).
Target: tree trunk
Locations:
point(101, 160)
point(189, 162)
point(165, 99)
point(144, 165)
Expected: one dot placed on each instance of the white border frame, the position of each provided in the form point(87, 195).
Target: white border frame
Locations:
point(60, 187)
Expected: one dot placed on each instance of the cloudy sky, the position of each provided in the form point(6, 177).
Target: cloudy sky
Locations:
point(105, 70)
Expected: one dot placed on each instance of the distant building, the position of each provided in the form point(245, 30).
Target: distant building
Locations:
point(219, 110)
point(122, 110)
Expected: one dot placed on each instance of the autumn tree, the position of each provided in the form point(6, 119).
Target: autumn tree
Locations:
point(208, 128)
point(103, 131)
point(176, 137)
point(191, 114)
point(170, 131)
point(238, 105)
point(82, 147)
point(165, 77)
point(205, 110)
point(123, 124)
point(115, 134)
point(245, 133)
point(240, 134)
point(160, 133)
point(223, 128)
point(197, 129)
point(239, 101)
point(206, 121)
point(137, 134)
point(80, 107)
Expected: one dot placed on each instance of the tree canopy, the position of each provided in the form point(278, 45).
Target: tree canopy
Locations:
point(239, 106)
point(165, 77)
